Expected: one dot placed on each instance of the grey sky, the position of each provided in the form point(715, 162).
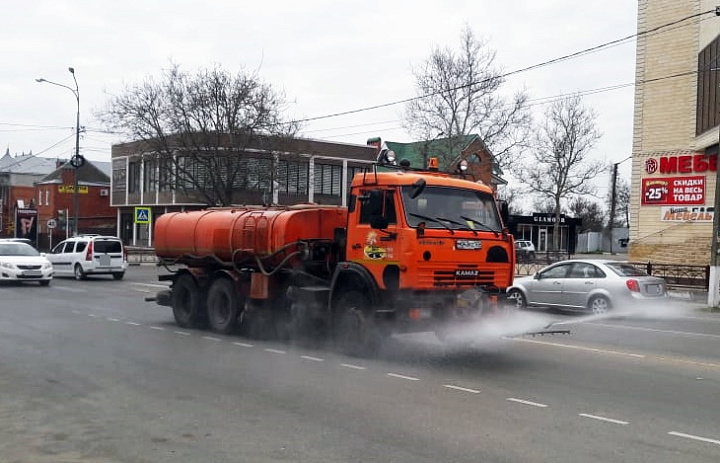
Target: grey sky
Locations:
point(327, 56)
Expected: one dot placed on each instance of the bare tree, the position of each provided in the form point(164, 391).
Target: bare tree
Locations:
point(511, 196)
point(198, 127)
point(459, 94)
point(591, 213)
point(560, 166)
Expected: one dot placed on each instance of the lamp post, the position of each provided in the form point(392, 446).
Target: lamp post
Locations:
point(76, 161)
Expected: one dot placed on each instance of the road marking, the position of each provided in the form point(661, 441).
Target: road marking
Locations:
point(351, 366)
point(602, 418)
point(409, 378)
point(275, 351)
point(314, 359)
point(657, 330)
point(157, 328)
point(698, 438)
point(526, 402)
point(152, 285)
point(92, 315)
point(583, 348)
point(183, 333)
point(210, 338)
point(132, 323)
point(242, 344)
point(462, 389)
point(111, 319)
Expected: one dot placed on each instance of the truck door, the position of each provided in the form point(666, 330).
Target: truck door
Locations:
point(371, 234)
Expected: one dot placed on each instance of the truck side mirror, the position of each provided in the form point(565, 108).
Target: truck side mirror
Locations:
point(504, 212)
point(417, 188)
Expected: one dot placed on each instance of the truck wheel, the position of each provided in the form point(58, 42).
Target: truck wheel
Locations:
point(354, 328)
point(223, 306)
point(185, 302)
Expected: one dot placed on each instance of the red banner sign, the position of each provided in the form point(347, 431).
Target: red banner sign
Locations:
point(673, 191)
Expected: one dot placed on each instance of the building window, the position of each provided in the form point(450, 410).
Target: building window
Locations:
point(707, 95)
point(328, 179)
point(47, 197)
point(40, 198)
point(292, 177)
point(134, 177)
point(150, 182)
point(166, 174)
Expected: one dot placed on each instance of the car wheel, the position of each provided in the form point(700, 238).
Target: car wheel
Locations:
point(79, 273)
point(223, 306)
point(185, 302)
point(354, 328)
point(118, 275)
point(599, 305)
point(517, 299)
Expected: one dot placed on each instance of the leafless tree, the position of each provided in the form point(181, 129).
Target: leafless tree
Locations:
point(560, 165)
point(512, 196)
point(590, 211)
point(460, 93)
point(198, 127)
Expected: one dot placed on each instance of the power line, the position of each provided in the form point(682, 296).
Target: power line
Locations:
point(517, 71)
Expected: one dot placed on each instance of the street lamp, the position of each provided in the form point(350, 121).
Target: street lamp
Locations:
point(76, 161)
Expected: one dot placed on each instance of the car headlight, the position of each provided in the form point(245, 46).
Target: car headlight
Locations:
point(47, 265)
point(7, 265)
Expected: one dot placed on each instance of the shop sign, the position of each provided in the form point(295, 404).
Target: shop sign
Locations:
point(82, 189)
point(687, 214)
point(685, 164)
point(672, 191)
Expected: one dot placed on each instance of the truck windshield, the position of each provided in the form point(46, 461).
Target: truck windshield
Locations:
point(451, 208)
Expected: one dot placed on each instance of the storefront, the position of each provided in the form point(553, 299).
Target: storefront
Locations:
point(540, 228)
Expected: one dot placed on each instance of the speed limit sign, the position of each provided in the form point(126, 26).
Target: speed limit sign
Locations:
point(51, 223)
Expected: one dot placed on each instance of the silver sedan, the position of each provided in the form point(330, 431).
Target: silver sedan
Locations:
point(594, 285)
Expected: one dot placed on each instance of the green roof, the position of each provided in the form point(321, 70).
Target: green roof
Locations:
point(420, 151)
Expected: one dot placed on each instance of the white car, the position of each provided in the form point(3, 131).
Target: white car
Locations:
point(85, 255)
point(525, 250)
point(22, 262)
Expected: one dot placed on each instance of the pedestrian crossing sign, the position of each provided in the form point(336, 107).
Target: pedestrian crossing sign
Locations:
point(142, 215)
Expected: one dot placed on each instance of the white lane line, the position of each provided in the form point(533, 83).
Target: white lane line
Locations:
point(210, 338)
point(409, 378)
point(657, 330)
point(351, 366)
point(182, 333)
point(152, 285)
point(460, 388)
point(242, 344)
point(310, 357)
point(132, 323)
point(157, 328)
point(583, 348)
point(275, 351)
point(526, 402)
point(602, 418)
point(112, 319)
point(697, 438)
point(92, 315)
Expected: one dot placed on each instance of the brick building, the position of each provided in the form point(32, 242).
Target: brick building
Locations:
point(675, 138)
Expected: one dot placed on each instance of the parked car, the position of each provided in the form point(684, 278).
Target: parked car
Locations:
point(21, 262)
point(85, 255)
point(525, 251)
point(595, 285)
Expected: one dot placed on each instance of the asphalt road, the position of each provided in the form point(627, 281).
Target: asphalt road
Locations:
point(89, 372)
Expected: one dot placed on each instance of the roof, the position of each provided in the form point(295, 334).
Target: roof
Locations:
point(89, 173)
point(26, 164)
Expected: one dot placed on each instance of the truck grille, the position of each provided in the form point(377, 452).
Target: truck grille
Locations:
point(451, 278)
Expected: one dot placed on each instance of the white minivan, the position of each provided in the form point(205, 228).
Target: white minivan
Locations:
point(85, 255)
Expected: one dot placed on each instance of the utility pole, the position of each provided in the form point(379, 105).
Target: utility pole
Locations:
point(613, 199)
point(714, 283)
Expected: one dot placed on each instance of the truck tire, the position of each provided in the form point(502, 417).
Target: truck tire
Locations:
point(185, 301)
point(354, 328)
point(223, 306)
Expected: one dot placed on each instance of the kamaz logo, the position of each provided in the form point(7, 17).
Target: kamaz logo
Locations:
point(466, 273)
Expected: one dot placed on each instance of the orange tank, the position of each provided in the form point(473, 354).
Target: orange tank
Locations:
point(261, 231)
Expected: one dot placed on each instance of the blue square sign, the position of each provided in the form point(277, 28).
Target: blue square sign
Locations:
point(142, 215)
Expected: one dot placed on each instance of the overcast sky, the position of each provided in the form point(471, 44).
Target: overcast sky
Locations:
point(327, 57)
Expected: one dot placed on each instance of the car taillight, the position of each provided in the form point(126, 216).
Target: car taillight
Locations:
point(633, 285)
point(88, 253)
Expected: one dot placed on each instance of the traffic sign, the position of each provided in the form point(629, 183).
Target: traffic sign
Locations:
point(142, 215)
point(51, 223)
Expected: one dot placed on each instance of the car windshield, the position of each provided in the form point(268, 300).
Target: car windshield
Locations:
point(17, 249)
point(626, 270)
point(453, 208)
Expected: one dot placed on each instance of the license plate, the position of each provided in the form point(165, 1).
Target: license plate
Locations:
point(105, 261)
point(32, 274)
point(654, 289)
